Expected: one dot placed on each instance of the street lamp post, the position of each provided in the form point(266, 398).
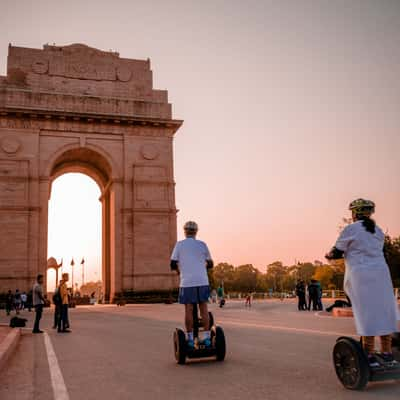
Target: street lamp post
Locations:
point(57, 268)
point(72, 270)
point(83, 271)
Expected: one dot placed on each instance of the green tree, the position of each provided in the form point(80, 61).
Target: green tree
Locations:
point(245, 278)
point(306, 271)
point(262, 283)
point(275, 274)
point(324, 275)
point(224, 273)
point(337, 279)
point(392, 256)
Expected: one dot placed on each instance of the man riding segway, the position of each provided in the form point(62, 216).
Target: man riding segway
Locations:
point(191, 259)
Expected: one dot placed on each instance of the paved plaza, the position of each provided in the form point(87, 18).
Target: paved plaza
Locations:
point(274, 352)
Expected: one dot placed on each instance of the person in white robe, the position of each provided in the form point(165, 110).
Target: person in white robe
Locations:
point(367, 280)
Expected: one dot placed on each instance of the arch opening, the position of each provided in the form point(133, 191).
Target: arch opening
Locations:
point(83, 179)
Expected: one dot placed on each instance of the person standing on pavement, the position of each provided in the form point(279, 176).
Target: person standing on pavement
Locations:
point(57, 305)
point(9, 302)
point(313, 295)
point(320, 307)
point(63, 321)
point(38, 302)
point(301, 294)
point(29, 300)
point(17, 301)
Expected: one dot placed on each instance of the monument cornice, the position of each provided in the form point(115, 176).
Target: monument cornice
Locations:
point(20, 208)
point(83, 108)
point(84, 123)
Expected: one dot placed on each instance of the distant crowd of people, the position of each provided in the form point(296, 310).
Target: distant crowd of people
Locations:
point(36, 299)
point(309, 295)
point(18, 301)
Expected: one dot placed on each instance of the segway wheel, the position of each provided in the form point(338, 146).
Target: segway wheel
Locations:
point(180, 346)
point(396, 340)
point(220, 345)
point(351, 364)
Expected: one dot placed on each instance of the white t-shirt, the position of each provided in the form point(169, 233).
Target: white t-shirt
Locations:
point(191, 255)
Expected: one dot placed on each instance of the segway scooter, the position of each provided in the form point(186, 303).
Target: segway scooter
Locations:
point(217, 348)
point(352, 367)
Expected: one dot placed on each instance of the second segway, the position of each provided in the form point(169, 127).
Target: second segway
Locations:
point(352, 366)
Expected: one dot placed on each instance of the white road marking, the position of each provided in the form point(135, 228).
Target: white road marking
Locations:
point(284, 328)
point(57, 380)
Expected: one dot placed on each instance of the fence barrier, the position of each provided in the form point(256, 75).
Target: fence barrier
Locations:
point(328, 294)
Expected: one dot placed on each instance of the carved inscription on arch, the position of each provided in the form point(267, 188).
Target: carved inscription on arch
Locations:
point(83, 69)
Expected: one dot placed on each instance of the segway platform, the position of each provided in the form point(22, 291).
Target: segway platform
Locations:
point(352, 367)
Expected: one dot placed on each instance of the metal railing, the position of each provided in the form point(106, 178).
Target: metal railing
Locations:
point(328, 294)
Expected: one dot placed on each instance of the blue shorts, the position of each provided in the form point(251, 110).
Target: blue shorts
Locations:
point(194, 294)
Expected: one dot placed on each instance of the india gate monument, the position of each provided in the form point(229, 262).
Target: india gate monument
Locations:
point(79, 109)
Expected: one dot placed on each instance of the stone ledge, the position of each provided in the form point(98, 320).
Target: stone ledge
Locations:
point(8, 345)
point(342, 312)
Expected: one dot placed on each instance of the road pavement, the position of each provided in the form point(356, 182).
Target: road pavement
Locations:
point(273, 352)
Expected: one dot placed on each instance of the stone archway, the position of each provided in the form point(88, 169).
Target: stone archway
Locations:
point(78, 109)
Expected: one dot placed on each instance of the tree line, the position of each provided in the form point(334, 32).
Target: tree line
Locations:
point(283, 278)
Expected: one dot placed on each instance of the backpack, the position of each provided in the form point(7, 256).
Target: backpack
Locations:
point(16, 322)
point(57, 297)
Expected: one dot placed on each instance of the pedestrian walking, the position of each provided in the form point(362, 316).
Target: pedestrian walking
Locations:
point(24, 299)
point(248, 300)
point(38, 302)
point(221, 296)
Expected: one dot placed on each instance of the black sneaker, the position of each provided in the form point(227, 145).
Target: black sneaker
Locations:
point(373, 361)
point(387, 358)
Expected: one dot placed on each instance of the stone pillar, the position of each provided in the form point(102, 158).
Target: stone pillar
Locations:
point(106, 261)
point(40, 241)
point(116, 237)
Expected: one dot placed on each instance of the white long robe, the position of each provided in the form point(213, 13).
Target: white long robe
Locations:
point(367, 280)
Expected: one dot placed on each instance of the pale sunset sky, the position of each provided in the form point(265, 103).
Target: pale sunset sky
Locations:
point(291, 111)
